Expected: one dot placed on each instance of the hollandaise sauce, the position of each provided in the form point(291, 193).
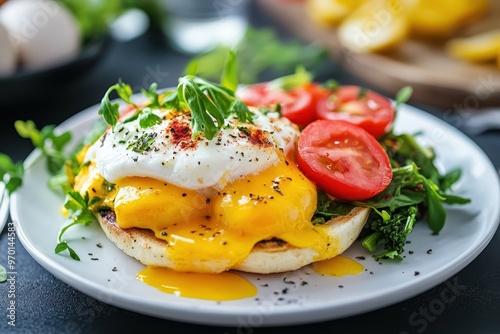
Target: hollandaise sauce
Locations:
point(219, 287)
point(338, 266)
point(203, 230)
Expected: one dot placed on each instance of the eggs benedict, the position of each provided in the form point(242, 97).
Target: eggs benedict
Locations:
point(172, 196)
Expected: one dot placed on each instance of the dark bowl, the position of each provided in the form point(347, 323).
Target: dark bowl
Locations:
point(25, 86)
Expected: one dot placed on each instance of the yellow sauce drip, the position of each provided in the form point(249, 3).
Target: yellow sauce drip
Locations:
point(214, 231)
point(338, 266)
point(219, 287)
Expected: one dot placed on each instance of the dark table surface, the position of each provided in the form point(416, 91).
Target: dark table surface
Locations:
point(47, 305)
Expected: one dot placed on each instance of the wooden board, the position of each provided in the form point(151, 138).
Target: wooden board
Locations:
point(437, 79)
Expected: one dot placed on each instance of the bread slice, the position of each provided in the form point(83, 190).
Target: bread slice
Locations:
point(267, 256)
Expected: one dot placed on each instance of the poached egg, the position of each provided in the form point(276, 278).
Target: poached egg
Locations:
point(207, 199)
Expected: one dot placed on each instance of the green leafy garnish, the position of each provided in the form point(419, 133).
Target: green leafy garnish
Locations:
point(152, 95)
point(79, 213)
point(328, 208)
point(260, 50)
point(11, 174)
point(3, 274)
point(229, 77)
point(109, 110)
point(362, 92)
point(143, 143)
point(287, 82)
point(330, 84)
point(147, 118)
point(417, 188)
point(403, 95)
point(203, 110)
point(51, 144)
point(210, 104)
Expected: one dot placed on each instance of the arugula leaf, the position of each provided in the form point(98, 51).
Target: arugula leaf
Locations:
point(62, 246)
point(147, 118)
point(3, 274)
point(408, 188)
point(50, 143)
point(362, 92)
point(287, 82)
point(110, 111)
point(198, 103)
point(152, 95)
point(331, 85)
point(208, 102)
point(449, 179)
point(79, 213)
point(403, 95)
point(417, 187)
point(436, 214)
point(328, 208)
point(260, 50)
point(229, 77)
point(11, 173)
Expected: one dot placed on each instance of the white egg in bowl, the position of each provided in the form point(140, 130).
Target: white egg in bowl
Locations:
point(41, 49)
point(44, 32)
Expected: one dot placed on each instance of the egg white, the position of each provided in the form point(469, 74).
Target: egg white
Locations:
point(197, 164)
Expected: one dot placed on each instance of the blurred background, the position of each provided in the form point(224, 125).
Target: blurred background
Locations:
point(447, 50)
point(58, 57)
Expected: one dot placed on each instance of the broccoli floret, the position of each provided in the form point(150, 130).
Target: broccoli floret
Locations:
point(389, 230)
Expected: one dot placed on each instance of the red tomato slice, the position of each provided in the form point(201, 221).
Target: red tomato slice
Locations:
point(343, 160)
point(371, 111)
point(297, 104)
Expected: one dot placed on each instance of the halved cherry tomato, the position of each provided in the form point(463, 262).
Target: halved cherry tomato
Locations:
point(371, 111)
point(343, 160)
point(297, 104)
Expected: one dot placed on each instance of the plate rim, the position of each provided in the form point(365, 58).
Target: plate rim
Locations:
point(4, 206)
point(281, 316)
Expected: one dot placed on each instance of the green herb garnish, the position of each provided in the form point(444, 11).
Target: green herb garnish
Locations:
point(3, 274)
point(403, 95)
point(142, 143)
point(260, 50)
point(328, 209)
point(210, 104)
point(50, 143)
point(11, 173)
point(416, 187)
point(287, 82)
point(79, 213)
point(110, 110)
point(362, 92)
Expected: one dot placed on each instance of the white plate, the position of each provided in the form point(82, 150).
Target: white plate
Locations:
point(282, 298)
point(4, 206)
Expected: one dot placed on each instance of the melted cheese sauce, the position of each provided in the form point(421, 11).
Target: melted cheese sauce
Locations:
point(201, 228)
point(337, 266)
point(220, 287)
